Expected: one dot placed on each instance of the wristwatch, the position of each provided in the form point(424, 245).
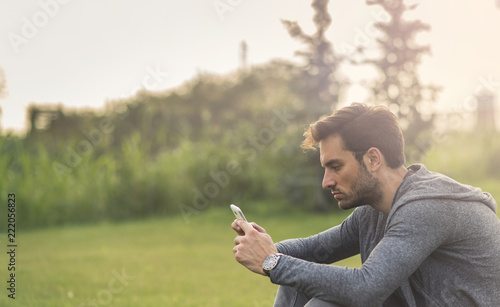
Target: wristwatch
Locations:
point(270, 263)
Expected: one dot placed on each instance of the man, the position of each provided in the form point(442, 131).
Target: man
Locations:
point(424, 239)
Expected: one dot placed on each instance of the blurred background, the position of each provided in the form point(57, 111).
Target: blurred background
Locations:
point(126, 111)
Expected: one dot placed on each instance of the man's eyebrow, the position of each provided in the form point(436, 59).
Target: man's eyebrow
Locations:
point(331, 162)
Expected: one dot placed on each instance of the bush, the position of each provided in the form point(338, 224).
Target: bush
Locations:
point(467, 157)
point(136, 183)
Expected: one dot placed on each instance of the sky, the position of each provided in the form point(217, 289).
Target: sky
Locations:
point(83, 54)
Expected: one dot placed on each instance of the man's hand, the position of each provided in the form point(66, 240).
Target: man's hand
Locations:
point(240, 232)
point(252, 245)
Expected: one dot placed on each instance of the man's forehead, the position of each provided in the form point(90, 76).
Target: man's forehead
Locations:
point(332, 142)
point(332, 147)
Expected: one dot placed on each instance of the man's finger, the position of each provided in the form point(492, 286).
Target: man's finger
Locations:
point(237, 240)
point(257, 227)
point(237, 228)
point(244, 225)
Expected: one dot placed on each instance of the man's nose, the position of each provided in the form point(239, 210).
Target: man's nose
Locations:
point(328, 181)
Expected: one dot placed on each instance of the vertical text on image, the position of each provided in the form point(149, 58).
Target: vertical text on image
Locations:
point(11, 244)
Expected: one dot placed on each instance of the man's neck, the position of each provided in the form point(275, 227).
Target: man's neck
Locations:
point(390, 180)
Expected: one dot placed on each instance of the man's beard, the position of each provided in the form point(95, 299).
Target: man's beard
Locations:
point(365, 190)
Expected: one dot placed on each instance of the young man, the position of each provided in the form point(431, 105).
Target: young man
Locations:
point(424, 239)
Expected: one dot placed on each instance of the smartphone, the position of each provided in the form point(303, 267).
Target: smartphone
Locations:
point(237, 212)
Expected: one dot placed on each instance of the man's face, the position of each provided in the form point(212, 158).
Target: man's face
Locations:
point(351, 183)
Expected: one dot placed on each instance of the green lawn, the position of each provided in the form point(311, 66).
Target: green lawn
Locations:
point(157, 262)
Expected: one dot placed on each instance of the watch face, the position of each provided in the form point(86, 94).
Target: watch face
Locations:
point(270, 262)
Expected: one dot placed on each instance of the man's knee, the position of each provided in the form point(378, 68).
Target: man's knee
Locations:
point(291, 297)
point(319, 303)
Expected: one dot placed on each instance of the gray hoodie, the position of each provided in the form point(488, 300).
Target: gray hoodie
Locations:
point(439, 246)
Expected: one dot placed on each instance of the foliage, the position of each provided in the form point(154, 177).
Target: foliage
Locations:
point(399, 86)
point(203, 108)
point(468, 157)
point(319, 86)
point(167, 153)
point(215, 140)
point(87, 178)
point(319, 83)
point(240, 168)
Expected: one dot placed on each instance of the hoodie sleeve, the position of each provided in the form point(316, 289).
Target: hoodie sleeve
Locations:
point(334, 244)
point(413, 233)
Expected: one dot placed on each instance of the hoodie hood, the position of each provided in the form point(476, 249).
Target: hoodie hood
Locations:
point(421, 184)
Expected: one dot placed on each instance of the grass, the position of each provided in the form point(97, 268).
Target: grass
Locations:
point(155, 262)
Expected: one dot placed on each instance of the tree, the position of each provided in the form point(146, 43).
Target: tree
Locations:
point(399, 85)
point(317, 84)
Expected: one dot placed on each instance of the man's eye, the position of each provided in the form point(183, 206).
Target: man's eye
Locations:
point(336, 168)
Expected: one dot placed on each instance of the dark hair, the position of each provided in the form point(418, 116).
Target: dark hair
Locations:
point(361, 127)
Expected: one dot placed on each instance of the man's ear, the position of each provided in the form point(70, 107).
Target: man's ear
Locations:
point(373, 159)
